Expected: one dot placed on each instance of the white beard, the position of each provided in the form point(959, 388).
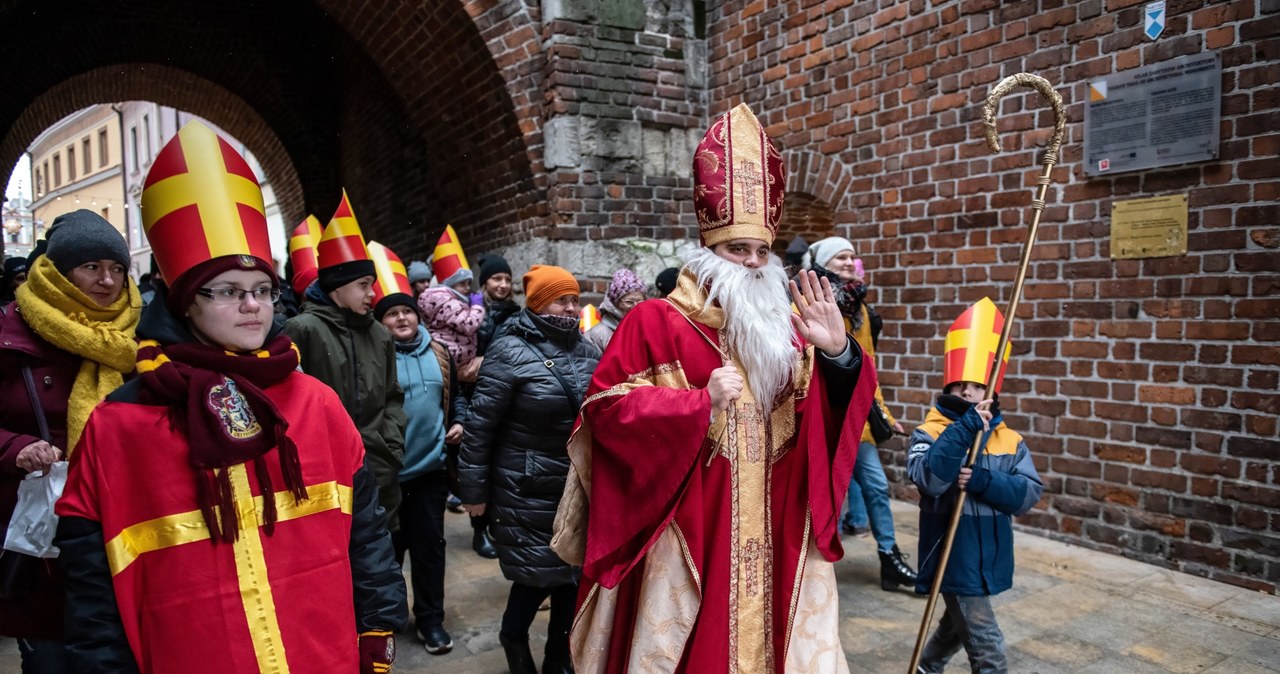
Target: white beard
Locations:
point(757, 313)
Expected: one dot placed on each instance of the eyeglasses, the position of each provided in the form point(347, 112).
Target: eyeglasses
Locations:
point(261, 295)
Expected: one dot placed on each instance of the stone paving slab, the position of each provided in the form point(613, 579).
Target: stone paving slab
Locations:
point(1071, 610)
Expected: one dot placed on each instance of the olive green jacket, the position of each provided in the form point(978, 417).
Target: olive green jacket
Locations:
point(356, 357)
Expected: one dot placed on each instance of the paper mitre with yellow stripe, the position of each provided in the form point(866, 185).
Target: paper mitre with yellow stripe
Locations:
point(971, 346)
point(448, 257)
point(588, 317)
point(738, 180)
point(201, 201)
point(392, 285)
point(303, 254)
point(341, 254)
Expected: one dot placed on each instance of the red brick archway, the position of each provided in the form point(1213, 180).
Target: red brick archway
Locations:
point(427, 114)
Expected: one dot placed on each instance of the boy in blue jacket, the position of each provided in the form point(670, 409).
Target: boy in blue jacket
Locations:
point(1001, 484)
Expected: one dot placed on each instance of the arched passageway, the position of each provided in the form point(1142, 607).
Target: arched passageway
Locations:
point(404, 106)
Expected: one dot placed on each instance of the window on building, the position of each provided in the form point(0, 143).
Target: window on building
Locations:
point(71, 163)
point(133, 144)
point(57, 170)
point(47, 175)
point(102, 147)
point(86, 154)
point(39, 184)
point(146, 136)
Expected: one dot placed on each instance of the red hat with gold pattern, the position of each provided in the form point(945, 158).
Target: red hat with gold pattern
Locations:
point(971, 346)
point(341, 253)
point(448, 258)
point(738, 180)
point(392, 286)
point(200, 202)
point(302, 252)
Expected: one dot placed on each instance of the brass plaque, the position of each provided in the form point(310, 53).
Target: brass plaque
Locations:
point(1155, 227)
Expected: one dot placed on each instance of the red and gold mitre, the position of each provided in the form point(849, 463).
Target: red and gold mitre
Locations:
point(342, 241)
point(392, 278)
point(971, 346)
point(448, 257)
point(302, 252)
point(201, 201)
point(738, 180)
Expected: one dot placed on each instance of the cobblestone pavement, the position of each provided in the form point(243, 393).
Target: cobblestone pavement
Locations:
point(1070, 610)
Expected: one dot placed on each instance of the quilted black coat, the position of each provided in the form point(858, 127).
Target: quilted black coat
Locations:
point(513, 454)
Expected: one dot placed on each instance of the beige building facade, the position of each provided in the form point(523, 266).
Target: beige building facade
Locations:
point(75, 164)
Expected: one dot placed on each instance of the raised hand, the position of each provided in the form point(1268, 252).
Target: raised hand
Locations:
point(819, 320)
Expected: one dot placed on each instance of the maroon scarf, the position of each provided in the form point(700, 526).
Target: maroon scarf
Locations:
point(215, 399)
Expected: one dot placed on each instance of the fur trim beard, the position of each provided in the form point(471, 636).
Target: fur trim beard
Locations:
point(757, 313)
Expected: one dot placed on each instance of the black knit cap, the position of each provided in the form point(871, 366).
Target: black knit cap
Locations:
point(666, 281)
point(83, 236)
point(393, 300)
point(490, 265)
point(332, 278)
point(13, 266)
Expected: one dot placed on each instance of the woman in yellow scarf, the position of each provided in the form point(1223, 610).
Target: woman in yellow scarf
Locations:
point(69, 338)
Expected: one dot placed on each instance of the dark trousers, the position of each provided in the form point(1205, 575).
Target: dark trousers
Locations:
point(522, 606)
point(44, 657)
point(480, 523)
point(421, 534)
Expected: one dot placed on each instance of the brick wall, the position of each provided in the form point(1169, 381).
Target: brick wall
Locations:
point(1147, 388)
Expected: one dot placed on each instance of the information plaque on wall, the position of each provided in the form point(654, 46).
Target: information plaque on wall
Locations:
point(1160, 115)
point(1155, 227)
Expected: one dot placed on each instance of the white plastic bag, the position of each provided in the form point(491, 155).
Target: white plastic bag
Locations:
point(33, 523)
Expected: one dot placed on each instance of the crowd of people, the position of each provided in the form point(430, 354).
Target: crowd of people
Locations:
point(264, 456)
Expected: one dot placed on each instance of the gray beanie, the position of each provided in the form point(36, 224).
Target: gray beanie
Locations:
point(419, 271)
point(458, 277)
point(83, 236)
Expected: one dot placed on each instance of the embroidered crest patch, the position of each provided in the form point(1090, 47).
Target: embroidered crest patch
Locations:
point(237, 419)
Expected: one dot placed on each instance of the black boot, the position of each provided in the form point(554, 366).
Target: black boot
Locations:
point(482, 545)
point(519, 657)
point(550, 666)
point(894, 570)
point(556, 659)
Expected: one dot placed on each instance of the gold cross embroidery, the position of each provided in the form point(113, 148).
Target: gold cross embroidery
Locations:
point(748, 179)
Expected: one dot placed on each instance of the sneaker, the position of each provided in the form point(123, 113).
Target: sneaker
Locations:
point(436, 640)
point(454, 504)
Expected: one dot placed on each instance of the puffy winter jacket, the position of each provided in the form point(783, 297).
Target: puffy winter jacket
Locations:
point(495, 314)
point(355, 356)
point(1004, 484)
point(513, 451)
point(452, 320)
point(600, 334)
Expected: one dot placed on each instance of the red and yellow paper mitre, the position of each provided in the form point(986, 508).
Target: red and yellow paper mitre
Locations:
point(971, 346)
point(738, 180)
point(448, 257)
point(588, 317)
point(303, 253)
point(342, 241)
point(201, 201)
point(392, 277)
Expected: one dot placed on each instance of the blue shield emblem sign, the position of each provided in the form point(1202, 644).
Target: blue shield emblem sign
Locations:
point(1153, 17)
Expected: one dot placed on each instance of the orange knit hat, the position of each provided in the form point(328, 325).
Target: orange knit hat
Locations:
point(545, 283)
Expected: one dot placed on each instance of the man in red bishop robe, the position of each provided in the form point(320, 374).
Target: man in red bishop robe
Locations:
point(714, 450)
